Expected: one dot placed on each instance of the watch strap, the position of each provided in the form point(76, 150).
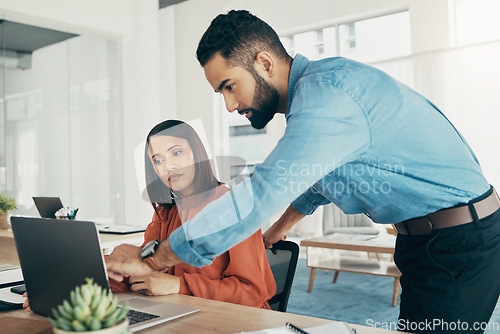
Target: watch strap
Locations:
point(152, 264)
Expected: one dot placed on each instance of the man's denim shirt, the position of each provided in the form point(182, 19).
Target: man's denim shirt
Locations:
point(355, 137)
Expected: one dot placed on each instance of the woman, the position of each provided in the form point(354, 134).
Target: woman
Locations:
point(180, 183)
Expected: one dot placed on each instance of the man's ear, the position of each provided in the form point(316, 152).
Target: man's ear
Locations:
point(265, 64)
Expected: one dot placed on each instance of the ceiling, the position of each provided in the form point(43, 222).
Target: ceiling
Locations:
point(24, 38)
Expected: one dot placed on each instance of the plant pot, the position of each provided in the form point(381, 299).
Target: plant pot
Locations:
point(4, 223)
point(121, 328)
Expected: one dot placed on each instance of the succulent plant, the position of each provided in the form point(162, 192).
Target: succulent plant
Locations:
point(90, 308)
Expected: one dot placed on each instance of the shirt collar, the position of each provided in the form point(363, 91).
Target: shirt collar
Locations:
point(299, 65)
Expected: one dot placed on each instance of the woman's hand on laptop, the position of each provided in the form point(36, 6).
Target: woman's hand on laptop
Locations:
point(155, 284)
point(125, 260)
point(26, 303)
point(115, 276)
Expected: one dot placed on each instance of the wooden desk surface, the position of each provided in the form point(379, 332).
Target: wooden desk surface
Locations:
point(105, 237)
point(219, 317)
point(371, 245)
point(213, 317)
point(8, 252)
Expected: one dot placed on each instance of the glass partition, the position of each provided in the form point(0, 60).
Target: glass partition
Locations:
point(60, 127)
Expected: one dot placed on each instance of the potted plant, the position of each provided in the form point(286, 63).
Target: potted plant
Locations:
point(91, 309)
point(6, 204)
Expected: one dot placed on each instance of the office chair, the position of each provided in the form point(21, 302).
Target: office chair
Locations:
point(283, 259)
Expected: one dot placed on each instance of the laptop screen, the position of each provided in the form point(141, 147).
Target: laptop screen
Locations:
point(56, 256)
point(47, 206)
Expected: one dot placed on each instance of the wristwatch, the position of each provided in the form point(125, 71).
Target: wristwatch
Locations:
point(147, 254)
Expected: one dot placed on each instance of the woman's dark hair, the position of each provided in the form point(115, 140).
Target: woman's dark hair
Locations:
point(239, 36)
point(204, 179)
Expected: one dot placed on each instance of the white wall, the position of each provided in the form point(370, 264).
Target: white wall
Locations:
point(168, 72)
point(141, 101)
point(430, 25)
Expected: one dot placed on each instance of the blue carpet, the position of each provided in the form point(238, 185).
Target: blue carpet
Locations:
point(355, 298)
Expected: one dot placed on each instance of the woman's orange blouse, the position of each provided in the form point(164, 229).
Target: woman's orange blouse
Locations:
point(241, 275)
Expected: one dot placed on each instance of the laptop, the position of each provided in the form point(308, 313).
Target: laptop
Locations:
point(48, 206)
point(56, 256)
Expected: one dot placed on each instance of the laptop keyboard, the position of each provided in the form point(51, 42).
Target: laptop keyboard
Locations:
point(135, 317)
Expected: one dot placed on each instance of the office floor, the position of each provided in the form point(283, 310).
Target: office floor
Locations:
point(355, 298)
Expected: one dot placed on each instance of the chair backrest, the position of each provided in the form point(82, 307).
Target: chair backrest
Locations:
point(283, 259)
point(336, 221)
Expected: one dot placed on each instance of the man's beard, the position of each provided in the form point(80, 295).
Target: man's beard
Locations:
point(265, 103)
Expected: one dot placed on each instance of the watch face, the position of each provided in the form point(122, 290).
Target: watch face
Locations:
point(149, 249)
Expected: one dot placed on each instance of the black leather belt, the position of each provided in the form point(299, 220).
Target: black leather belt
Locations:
point(449, 217)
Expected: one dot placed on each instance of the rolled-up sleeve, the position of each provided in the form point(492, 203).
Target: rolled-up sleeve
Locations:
point(309, 201)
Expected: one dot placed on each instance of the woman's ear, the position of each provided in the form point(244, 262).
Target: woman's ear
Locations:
point(265, 64)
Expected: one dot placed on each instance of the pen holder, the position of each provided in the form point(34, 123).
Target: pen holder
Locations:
point(69, 217)
point(68, 213)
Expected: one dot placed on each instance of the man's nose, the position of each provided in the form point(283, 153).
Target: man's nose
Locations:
point(231, 105)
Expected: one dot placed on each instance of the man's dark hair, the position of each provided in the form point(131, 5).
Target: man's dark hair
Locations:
point(239, 36)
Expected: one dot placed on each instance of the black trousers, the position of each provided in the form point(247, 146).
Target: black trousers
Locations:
point(450, 278)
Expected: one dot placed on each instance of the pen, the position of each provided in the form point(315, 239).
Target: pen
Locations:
point(295, 328)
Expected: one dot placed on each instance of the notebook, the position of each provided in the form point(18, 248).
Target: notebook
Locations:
point(119, 229)
point(331, 328)
point(56, 257)
point(48, 206)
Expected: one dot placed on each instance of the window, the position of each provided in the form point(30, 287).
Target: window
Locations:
point(249, 144)
point(368, 40)
point(314, 44)
point(351, 35)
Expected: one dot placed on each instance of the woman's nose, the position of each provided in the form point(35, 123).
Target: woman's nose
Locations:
point(169, 167)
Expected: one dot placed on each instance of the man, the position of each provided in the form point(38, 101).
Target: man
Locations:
point(360, 139)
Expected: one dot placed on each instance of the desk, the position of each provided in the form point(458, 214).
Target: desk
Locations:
point(214, 316)
point(219, 317)
point(338, 261)
point(110, 241)
point(8, 252)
